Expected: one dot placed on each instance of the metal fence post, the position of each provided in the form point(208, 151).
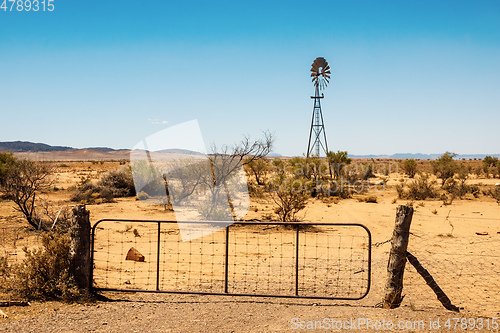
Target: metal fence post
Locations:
point(158, 258)
point(226, 268)
point(297, 262)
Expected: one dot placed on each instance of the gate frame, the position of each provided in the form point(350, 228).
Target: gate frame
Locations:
point(226, 258)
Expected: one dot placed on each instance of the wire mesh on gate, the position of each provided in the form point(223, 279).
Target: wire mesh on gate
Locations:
point(465, 265)
point(317, 260)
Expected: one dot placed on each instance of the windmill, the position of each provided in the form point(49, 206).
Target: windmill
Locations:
point(320, 73)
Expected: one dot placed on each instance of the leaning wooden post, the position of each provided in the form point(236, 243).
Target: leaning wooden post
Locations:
point(397, 258)
point(431, 283)
point(80, 247)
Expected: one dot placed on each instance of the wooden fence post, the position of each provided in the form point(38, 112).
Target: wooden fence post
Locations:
point(397, 258)
point(80, 247)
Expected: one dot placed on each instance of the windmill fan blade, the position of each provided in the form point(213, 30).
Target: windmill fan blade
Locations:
point(319, 62)
point(322, 62)
point(320, 72)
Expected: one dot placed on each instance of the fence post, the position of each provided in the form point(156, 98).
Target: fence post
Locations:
point(80, 247)
point(397, 258)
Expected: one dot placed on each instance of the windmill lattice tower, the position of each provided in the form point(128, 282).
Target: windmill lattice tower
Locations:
point(320, 73)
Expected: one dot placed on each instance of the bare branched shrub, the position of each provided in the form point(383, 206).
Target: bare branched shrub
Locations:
point(22, 181)
point(290, 194)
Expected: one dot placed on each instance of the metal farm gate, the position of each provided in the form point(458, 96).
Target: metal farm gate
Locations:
point(270, 259)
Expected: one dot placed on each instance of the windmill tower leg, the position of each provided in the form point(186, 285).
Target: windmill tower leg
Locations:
point(317, 142)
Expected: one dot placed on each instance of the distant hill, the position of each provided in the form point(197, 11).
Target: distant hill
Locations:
point(180, 151)
point(419, 156)
point(25, 146)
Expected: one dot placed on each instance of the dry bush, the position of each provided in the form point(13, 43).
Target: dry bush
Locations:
point(45, 273)
point(421, 188)
point(255, 190)
point(290, 195)
point(5, 274)
point(457, 186)
point(369, 199)
point(340, 189)
point(113, 184)
point(495, 193)
point(119, 182)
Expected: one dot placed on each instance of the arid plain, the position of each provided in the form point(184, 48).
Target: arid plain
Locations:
point(458, 242)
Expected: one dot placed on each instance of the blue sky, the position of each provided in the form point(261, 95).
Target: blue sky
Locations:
point(407, 76)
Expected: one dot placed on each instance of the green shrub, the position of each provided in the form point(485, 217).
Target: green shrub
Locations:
point(258, 168)
point(7, 160)
point(410, 167)
point(445, 167)
point(490, 161)
point(338, 161)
